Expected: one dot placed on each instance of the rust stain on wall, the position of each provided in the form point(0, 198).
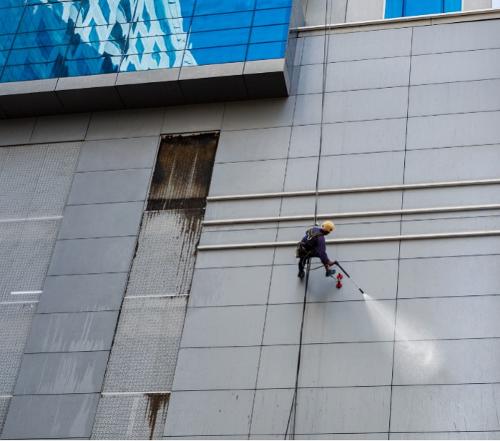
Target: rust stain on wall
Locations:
point(155, 403)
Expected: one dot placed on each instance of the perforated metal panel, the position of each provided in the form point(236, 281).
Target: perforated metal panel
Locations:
point(4, 406)
point(34, 180)
point(25, 250)
point(131, 417)
point(15, 323)
point(145, 349)
point(166, 253)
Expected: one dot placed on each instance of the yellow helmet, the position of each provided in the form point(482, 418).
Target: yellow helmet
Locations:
point(328, 226)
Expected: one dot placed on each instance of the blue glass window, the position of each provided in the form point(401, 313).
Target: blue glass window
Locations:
point(155, 60)
point(228, 54)
point(264, 4)
point(9, 20)
point(92, 66)
point(407, 8)
point(219, 38)
point(49, 16)
point(161, 43)
point(6, 42)
point(11, 3)
point(222, 21)
point(272, 16)
point(220, 7)
point(31, 72)
point(264, 34)
point(46, 38)
point(265, 51)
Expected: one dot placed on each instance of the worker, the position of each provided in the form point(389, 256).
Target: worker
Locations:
point(313, 245)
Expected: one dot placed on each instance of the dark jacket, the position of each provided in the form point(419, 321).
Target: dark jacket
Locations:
point(314, 243)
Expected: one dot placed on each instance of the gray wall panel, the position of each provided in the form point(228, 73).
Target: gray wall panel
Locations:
point(455, 37)
point(253, 145)
point(455, 66)
point(82, 293)
point(230, 286)
point(101, 220)
point(371, 169)
point(453, 164)
point(446, 435)
point(209, 413)
point(278, 367)
point(193, 118)
point(110, 186)
point(92, 256)
point(248, 177)
point(343, 410)
point(60, 128)
point(115, 154)
point(50, 416)
point(364, 137)
point(349, 322)
point(434, 408)
point(305, 141)
point(77, 372)
point(17, 131)
point(258, 114)
point(453, 130)
point(463, 97)
point(216, 368)
point(226, 326)
point(341, 365)
point(449, 276)
point(370, 44)
point(351, 106)
point(86, 331)
point(368, 74)
point(447, 362)
point(125, 124)
point(469, 317)
point(271, 411)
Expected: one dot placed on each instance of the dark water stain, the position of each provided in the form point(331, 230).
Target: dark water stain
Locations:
point(183, 171)
point(155, 403)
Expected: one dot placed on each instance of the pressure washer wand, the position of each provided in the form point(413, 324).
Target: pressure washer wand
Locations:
point(347, 274)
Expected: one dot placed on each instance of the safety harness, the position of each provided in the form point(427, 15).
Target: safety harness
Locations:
point(306, 246)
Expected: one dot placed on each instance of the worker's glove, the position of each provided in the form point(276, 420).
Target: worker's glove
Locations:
point(330, 263)
point(330, 273)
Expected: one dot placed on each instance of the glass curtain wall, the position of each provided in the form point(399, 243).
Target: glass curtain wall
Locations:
point(57, 38)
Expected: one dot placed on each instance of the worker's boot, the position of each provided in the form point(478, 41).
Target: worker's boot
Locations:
point(301, 274)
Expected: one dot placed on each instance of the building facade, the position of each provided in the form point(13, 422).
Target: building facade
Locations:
point(159, 160)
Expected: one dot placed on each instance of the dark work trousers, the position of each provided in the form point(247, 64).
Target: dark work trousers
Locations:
point(304, 259)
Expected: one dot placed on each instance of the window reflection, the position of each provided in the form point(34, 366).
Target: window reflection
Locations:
point(45, 38)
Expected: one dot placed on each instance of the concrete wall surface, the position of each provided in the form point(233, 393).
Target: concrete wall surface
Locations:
point(417, 359)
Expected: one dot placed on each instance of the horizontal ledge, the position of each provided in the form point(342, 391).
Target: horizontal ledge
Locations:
point(29, 219)
point(121, 394)
point(376, 188)
point(408, 211)
point(348, 240)
point(413, 20)
point(156, 296)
